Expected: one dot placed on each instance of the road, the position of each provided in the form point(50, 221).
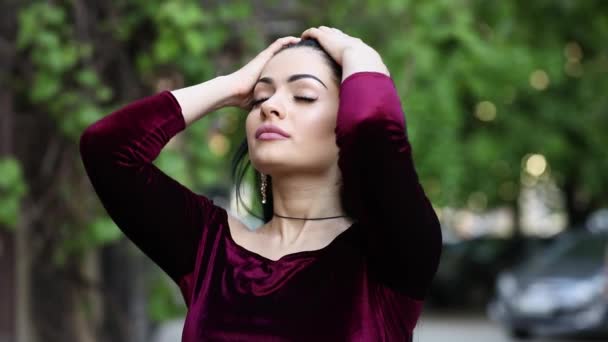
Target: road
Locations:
point(455, 327)
point(432, 327)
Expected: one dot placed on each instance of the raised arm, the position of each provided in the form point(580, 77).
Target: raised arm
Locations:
point(161, 216)
point(380, 183)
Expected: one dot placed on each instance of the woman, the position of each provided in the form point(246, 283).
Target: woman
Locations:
point(352, 241)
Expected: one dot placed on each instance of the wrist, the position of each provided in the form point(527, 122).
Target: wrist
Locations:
point(362, 59)
point(230, 89)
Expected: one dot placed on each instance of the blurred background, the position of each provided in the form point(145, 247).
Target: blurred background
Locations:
point(506, 110)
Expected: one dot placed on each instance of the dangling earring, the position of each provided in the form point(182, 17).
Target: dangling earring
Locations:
point(263, 187)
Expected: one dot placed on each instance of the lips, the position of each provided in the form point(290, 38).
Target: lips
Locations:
point(269, 128)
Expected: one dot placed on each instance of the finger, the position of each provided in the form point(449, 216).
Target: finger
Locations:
point(280, 43)
point(286, 40)
point(312, 32)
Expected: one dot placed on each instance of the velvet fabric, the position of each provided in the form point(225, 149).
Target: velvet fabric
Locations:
point(368, 284)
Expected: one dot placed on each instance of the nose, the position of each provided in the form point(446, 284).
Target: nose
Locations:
point(271, 107)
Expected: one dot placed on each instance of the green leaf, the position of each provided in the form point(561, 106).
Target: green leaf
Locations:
point(12, 191)
point(87, 77)
point(46, 85)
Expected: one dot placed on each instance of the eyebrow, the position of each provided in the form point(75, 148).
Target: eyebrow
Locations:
point(291, 78)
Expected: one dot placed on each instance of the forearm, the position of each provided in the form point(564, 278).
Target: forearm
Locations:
point(198, 100)
point(362, 59)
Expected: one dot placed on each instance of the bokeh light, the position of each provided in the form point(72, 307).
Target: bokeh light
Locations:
point(536, 164)
point(539, 80)
point(573, 52)
point(485, 111)
point(219, 144)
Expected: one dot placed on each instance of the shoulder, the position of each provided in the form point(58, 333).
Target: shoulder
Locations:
point(238, 229)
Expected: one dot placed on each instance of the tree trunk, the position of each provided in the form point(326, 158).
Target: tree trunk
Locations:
point(7, 285)
point(125, 289)
point(14, 317)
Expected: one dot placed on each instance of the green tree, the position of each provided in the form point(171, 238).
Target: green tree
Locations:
point(73, 63)
point(484, 85)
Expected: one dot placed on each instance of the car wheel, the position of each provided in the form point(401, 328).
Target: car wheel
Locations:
point(520, 334)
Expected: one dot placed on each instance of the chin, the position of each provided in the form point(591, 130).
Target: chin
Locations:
point(269, 162)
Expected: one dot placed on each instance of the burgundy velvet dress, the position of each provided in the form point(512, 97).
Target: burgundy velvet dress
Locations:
point(368, 284)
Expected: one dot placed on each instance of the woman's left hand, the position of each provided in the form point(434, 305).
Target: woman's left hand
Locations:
point(350, 52)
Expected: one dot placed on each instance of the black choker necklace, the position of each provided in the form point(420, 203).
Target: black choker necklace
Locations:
point(315, 218)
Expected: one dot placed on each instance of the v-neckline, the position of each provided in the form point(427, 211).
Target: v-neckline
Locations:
point(288, 256)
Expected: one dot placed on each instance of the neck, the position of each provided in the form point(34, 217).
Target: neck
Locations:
point(306, 197)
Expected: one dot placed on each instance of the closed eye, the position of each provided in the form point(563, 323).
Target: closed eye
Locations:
point(257, 102)
point(298, 98)
point(303, 98)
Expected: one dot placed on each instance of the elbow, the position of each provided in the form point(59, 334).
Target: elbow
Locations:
point(93, 143)
point(87, 142)
point(435, 242)
point(87, 152)
point(435, 229)
point(372, 135)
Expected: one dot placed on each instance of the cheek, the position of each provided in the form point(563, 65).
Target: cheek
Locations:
point(250, 124)
point(321, 126)
point(320, 133)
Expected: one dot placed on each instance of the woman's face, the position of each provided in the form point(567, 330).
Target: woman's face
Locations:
point(302, 100)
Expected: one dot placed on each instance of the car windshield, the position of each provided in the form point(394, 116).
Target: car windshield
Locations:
point(576, 254)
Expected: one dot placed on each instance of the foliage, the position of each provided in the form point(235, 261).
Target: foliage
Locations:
point(78, 69)
point(484, 85)
point(12, 191)
point(165, 300)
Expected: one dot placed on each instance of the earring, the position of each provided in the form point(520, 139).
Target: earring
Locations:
point(263, 187)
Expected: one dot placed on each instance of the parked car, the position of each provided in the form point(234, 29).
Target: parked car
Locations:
point(468, 269)
point(562, 290)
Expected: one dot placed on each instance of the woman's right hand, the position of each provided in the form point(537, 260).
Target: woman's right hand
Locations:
point(245, 78)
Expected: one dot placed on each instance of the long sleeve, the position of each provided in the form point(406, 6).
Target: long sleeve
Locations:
point(161, 216)
point(381, 186)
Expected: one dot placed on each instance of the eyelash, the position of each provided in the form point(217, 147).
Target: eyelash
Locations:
point(300, 98)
